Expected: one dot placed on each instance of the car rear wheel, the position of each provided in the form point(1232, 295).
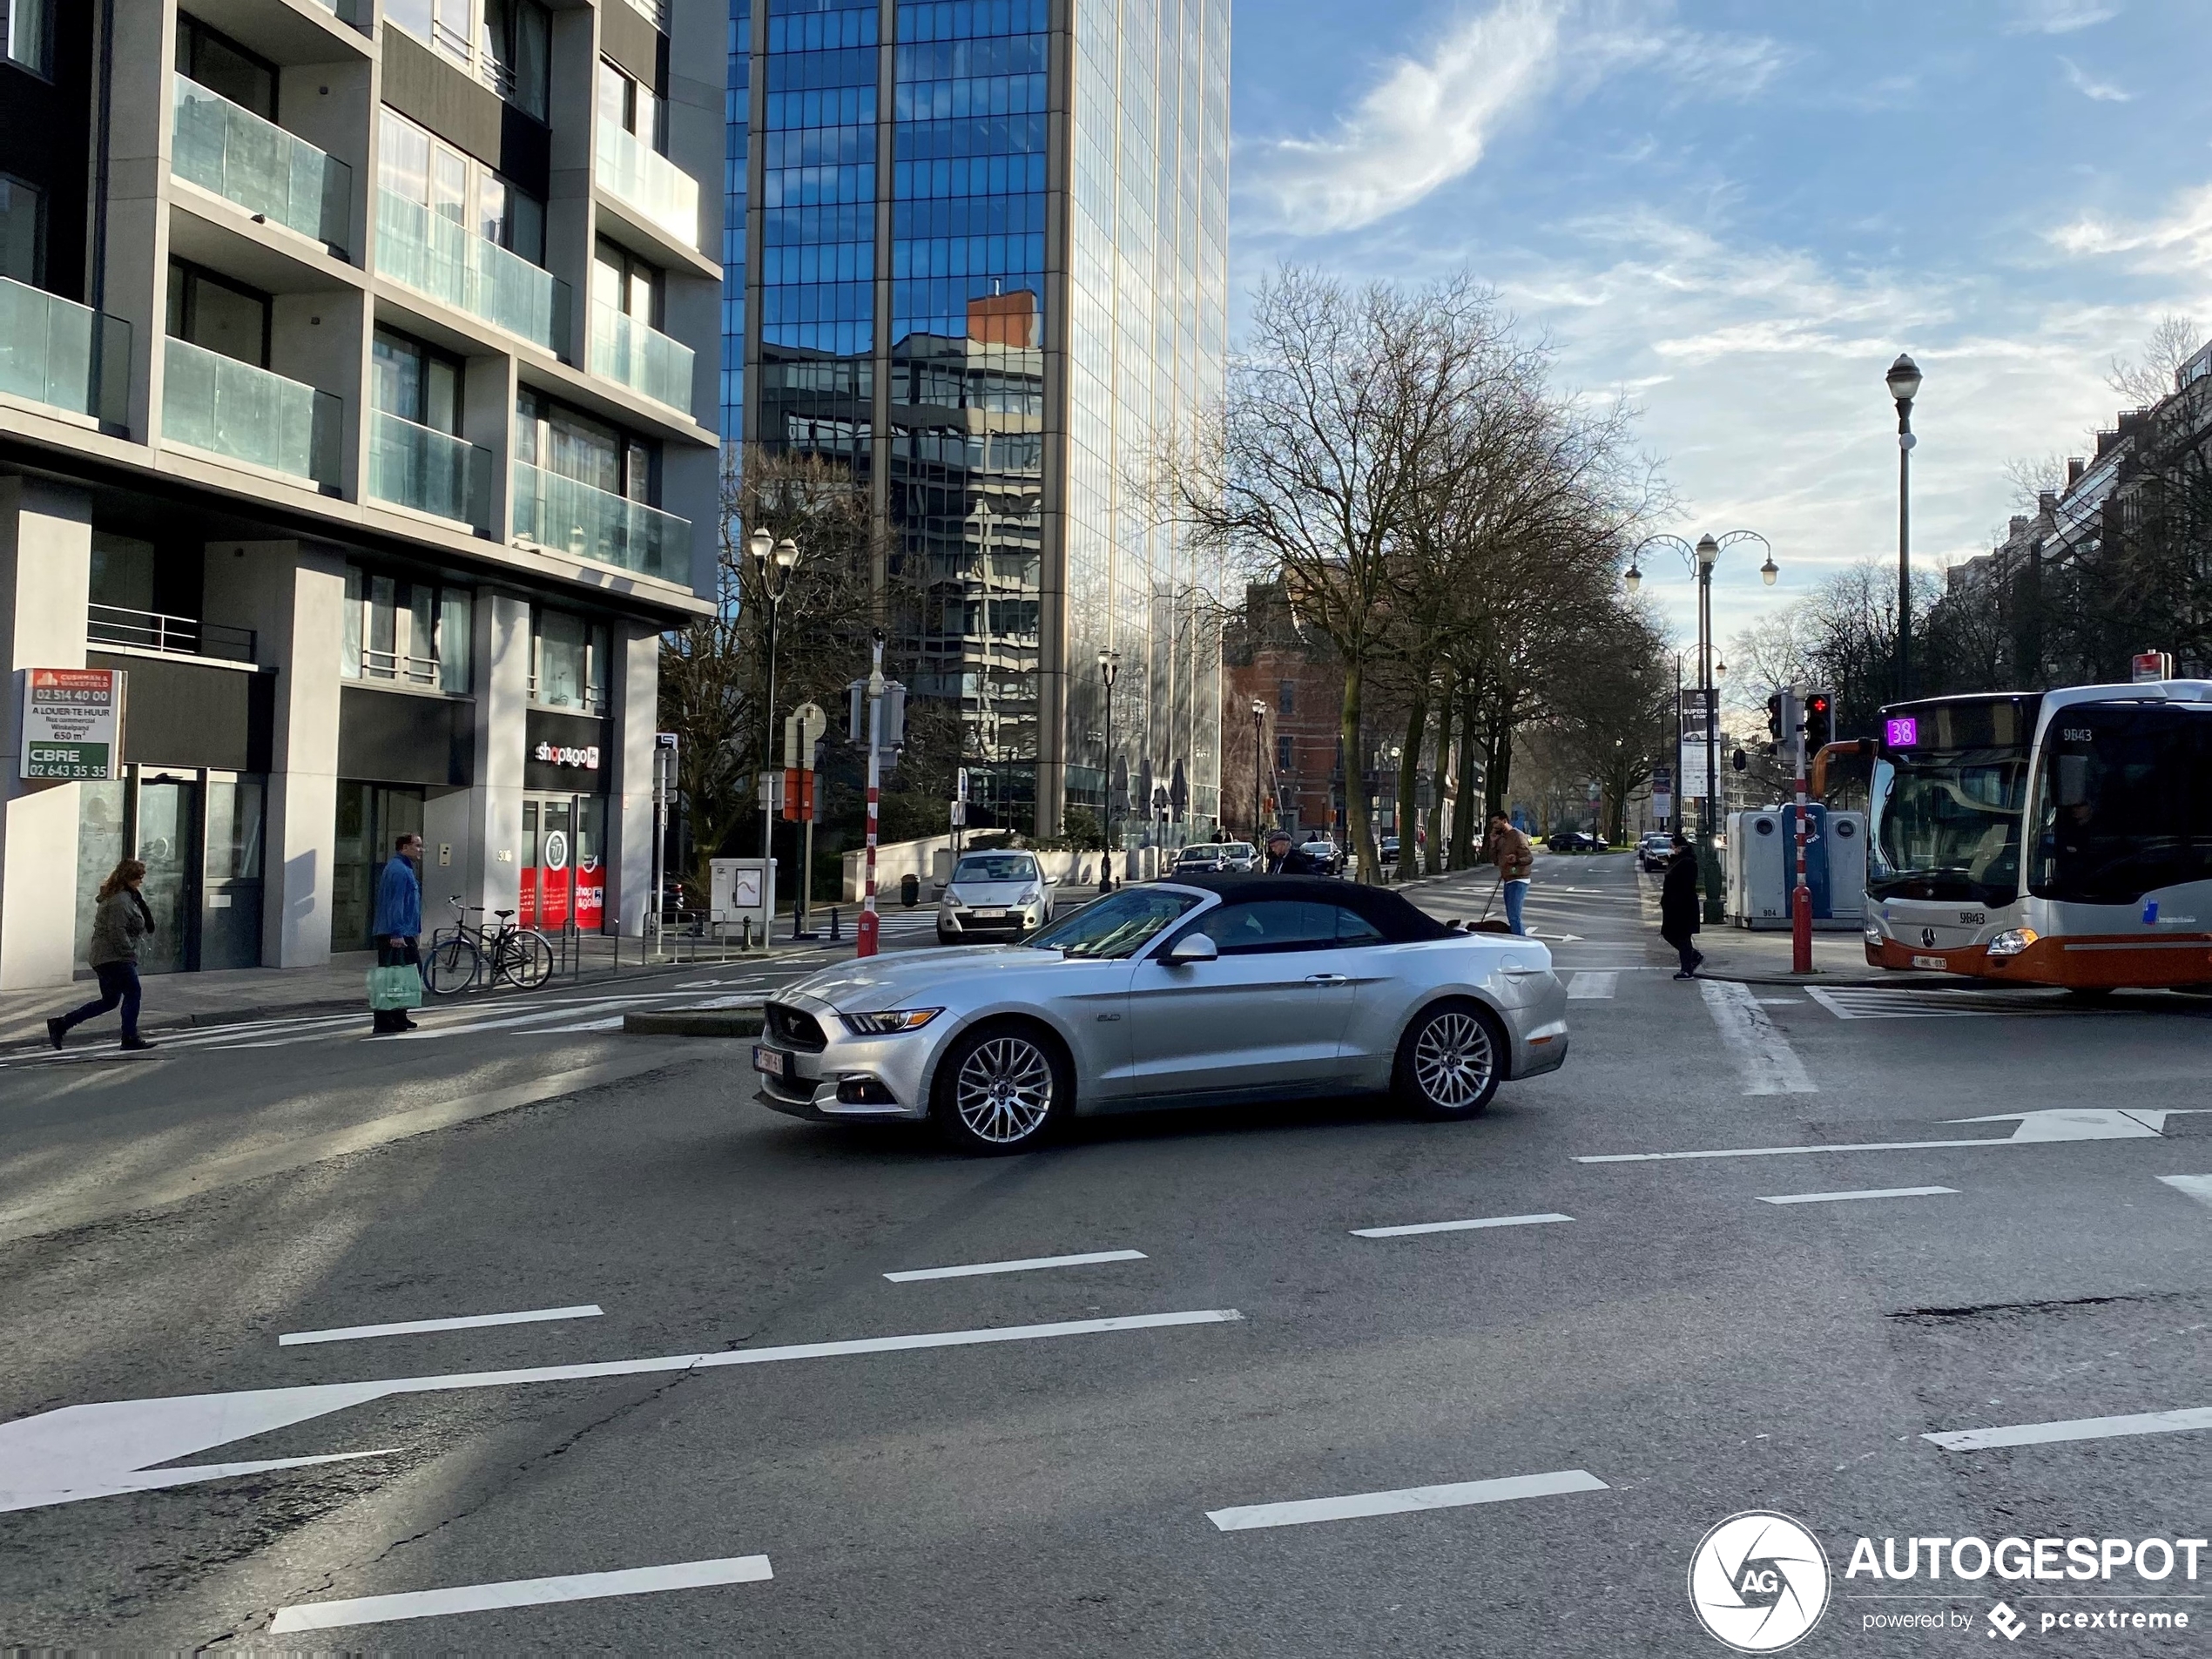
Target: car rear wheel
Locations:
point(1451, 1060)
point(1001, 1089)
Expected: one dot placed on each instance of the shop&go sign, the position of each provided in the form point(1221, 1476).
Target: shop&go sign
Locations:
point(72, 724)
point(583, 755)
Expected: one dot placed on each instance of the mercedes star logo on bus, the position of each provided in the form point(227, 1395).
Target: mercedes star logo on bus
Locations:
point(1759, 1582)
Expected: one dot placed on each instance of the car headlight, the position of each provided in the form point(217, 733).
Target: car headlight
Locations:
point(2012, 942)
point(953, 900)
point(1029, 895)
point(889, 1023)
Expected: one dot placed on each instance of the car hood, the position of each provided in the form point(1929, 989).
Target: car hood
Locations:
point(991, 892)
point(916, 978)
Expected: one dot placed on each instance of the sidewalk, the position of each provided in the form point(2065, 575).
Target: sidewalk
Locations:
point(233, 996)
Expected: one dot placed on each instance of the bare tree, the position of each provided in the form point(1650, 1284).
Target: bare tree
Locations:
point(2148, 377)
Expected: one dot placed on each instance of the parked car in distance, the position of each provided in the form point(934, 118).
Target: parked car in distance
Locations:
point(1654, 850)
point(995, 896)
point(1202, 858)
point(1255, 988)
point(1239, 858)
point(1324, 853)
point(1567, 841)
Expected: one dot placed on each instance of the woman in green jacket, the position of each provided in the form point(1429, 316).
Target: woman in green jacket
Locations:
point(121, 921)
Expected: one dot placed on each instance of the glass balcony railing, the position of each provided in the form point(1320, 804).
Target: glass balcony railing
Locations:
point(626, 351)
point(637, 173)
point(213, 402)
point(428, 470)
point(264, 169)
point(570, 517)
point(356, 12)
point(444, 258)
point(56, 351)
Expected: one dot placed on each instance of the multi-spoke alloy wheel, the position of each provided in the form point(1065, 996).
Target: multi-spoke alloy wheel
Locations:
point(1003, 1087)
point(1449, 1065)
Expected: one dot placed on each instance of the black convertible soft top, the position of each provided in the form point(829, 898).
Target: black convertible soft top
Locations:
point(1392, 916)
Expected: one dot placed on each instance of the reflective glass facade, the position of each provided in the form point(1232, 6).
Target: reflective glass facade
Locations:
point(992, 273)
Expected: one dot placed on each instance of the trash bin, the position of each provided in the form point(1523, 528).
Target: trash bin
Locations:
point(910, 889)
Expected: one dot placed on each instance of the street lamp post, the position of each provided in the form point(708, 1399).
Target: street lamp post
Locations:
point(1110, 668)
point(1701, 560)
point(777, 560)
point(1259, 822)
point(1903, 380)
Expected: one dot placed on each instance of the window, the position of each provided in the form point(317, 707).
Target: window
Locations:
point(1285, 753)
point(1268, 926)
point(568, 662)
point(632, 105)
point(1286, 697)
point(407, 632)
point(996, 866)
point(416, 382)
point(620, 279)
point(505, 44)
point(27, 35)
point(23, 223)
point(419, 168)
point(1115, 927)
point(557, 439)
point(218, 315)
point(2123, 804)
point(215, 61)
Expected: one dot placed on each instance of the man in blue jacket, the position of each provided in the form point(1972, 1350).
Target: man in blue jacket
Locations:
point(398, 922)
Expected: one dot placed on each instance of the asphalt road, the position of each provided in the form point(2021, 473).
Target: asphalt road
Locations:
point(1078, 1459)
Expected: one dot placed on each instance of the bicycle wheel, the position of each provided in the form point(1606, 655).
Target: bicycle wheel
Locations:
point(453, 965)
point(525, 961)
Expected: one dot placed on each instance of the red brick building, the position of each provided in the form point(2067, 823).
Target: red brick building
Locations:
point(1295, 677)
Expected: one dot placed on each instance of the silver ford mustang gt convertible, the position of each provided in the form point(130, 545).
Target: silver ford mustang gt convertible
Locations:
point(1202, 990)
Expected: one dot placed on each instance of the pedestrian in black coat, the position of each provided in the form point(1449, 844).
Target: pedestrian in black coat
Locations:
point(1678, 906)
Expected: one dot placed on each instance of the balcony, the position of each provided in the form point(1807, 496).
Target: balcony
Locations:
point(570, 517)
point(235, 154)
point(226, 408)
point(67, 356)
point(153, 631)
point(356, 12)
point(627, 352)
point(653, 11)
point(633, 171)
point(431, 471)
point(443, 259)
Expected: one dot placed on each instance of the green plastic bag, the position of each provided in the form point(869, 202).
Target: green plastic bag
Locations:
point(397, 986)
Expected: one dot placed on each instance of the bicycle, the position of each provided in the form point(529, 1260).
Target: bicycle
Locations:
point(471, 952)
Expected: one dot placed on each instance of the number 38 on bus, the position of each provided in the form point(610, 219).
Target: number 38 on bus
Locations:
point(2053, 838)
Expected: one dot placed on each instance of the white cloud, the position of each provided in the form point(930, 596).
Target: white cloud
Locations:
point(1430, 119)
point(2102, 91)
point(2179, 241)
point(2058, 16)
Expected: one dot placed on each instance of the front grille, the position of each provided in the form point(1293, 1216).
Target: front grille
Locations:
point(795, 1029)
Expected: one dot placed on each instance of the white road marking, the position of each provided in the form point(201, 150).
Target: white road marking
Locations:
point(2199, 1187)
point(1592, 986)
point(1850, 1002)
point(92, 1451)
point(1404, 1501)
point(2080, 1428)
point(2040, 1128)
point(1455, 1226)
point(1763, 1057)
point(1023, 1266)
point(521, 1592)
point(1865, 1192)
point(465, 1322)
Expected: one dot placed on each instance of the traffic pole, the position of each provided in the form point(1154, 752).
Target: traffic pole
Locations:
point(1801, 893)
point(868, 922)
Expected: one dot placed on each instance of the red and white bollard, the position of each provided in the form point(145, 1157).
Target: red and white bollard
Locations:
point(868, 929)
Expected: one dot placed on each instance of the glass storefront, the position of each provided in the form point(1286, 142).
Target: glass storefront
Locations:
point(370, 818)
point(565, 874)
point(198, 834)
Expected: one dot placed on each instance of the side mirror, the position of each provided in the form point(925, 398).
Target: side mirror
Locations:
point(1192, 947)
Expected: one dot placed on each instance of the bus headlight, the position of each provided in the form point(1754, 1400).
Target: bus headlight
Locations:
point(2012, 941)
point(1873, 931)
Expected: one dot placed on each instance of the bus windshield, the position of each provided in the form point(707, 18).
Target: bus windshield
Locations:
point(2124, 804)
point(1947, 825)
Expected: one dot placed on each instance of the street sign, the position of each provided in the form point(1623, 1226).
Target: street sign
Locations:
point(1700, 713)
point(72, 724)
point(803, 729)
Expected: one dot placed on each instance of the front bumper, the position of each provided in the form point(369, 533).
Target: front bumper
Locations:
point(883, 1079)
point(1012, 923)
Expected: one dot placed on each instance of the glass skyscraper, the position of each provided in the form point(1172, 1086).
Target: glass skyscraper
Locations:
point(977, 250)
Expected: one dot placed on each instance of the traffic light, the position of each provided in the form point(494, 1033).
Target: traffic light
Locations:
point(1774, 716)
point(1820, 720)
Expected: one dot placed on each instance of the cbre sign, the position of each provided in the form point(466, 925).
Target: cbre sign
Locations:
point(72, 724)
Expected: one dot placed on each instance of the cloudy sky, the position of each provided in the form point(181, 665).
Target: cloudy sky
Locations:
point(1742, 210)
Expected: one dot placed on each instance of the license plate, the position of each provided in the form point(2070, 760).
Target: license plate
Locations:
point(1930, 961)
point(773, 1061)
point(990, 915)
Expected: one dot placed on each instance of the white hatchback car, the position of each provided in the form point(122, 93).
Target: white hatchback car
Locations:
point(995, 896)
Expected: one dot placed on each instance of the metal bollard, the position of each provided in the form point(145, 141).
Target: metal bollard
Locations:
point(747, 944)
point(834, 933)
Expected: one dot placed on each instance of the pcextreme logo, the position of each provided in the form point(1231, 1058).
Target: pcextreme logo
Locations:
point(1759, 1582)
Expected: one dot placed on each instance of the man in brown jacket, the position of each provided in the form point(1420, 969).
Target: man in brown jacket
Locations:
point(1515, 856)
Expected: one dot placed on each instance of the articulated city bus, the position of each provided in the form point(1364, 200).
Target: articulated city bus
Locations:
point(2052, 838)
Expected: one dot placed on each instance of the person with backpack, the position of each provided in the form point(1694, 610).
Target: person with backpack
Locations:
point(1678, 906)
point(118, 926)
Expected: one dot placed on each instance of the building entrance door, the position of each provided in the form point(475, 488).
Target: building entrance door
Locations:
point(564, 876)
point(169, 844)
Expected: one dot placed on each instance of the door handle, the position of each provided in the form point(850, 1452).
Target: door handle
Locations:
point(1326, 979)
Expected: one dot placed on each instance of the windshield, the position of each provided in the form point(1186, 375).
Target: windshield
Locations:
point(1202, 851)
point(2122, 805)
point(996, 866)
point(1116, 926)
point(1947, 825)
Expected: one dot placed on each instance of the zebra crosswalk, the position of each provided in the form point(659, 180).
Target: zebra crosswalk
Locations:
point(1882, 1003)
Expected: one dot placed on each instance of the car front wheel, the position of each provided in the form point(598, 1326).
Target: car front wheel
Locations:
point(1001, 1089)
point(1451, 1060)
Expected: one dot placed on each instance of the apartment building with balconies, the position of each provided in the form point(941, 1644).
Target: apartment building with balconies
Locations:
point(359, 381)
